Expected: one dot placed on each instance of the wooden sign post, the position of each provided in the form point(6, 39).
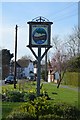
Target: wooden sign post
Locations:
point(39, 37)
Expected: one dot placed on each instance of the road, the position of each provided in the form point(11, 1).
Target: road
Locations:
point(2, 82)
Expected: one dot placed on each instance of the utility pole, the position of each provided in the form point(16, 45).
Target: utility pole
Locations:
point(15, 56)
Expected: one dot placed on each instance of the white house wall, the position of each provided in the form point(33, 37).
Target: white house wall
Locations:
point(27, 70)
point(31, 67)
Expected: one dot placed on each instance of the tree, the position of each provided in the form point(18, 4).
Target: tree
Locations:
point(74, 64)
point(73, 42)
point(58, 63)
point(59, 58)
point(56, 42)
point(64, 52)
point(6, 58)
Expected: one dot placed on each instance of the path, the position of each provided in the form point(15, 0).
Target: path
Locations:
point(68, 87)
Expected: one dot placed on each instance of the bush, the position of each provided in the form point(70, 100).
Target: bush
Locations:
point(15, 96)
point(25, 112)
point(71, 78)
point(62, 112)
point(12, 95)
point(32, 96)
point(50, 117)
point(29, 96)
point(21, 116)
point(18, 96)
point(66, 111)
point(40, 109)
point(74, 64)
point(43, 74)
point(42, 106)
point(39, 106)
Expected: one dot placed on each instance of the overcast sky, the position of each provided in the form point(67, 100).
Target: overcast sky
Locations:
point(64, 16)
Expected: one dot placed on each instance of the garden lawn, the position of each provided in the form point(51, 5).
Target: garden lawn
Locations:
point(60, 95)
point(7, 107)
point(57, 95)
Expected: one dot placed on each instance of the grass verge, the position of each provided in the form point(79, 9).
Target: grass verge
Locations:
point(61, 95)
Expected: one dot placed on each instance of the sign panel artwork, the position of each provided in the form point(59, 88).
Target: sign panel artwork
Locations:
point(39, 34)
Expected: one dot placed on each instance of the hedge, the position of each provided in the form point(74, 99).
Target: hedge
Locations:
point(71, 78)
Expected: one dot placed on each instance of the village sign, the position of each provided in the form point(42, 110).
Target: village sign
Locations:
point(39, 37)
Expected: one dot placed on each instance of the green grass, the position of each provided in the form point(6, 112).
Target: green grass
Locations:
point(62, 94)
point(0, 109)
point(57, 95)
point(22, 85)
point(7, 107)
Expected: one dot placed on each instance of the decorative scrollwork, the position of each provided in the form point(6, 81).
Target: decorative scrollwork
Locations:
point(40, 19)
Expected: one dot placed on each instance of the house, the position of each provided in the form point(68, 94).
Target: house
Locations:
point(23, 68)
point(50, 75)
point(18, 69)
point(53, 74)
point(27, 70)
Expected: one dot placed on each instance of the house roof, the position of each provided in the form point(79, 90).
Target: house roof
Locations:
point(23, 63)
point(17, 65)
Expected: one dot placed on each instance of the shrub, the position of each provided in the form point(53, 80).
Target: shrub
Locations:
point(15, 96)
point(43, 74)
point(32, 96)
point(29, 96)
point(43, 92)
point(25, 112)
point(71, 78)
point(66, 111)
point(21, 116)
point(39, 106)
point(18, 96)
point(42, 106)
point(40, 109)
point(50, 117)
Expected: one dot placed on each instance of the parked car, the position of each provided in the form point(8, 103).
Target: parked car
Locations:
point(10, 79)
point(31, 76)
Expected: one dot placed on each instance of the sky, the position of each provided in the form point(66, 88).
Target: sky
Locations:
point(64, 16)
